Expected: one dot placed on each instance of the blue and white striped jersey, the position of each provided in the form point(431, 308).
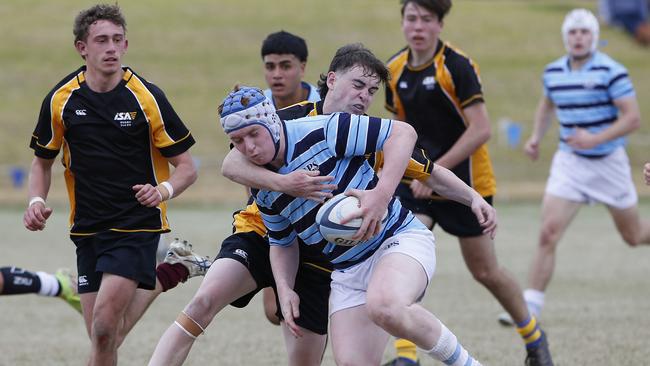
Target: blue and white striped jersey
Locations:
point(313, 95)
point(584, 98)
point(335, 145)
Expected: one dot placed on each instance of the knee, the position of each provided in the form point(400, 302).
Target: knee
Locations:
point(384, 312)
point(486, 275)
point(270, 311)
point(549, 235)
point(104, 334)
point(631, 238)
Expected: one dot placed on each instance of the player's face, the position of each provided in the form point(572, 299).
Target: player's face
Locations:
point(421, 28)
point(104, 47)
point(351, 90)
point(579, 41)
point(255, 142)
point(283, 74)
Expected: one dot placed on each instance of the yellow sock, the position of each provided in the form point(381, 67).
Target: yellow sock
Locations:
point(406, 349)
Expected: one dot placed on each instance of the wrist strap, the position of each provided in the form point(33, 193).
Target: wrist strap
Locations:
point(36, 199)
point(169, 189)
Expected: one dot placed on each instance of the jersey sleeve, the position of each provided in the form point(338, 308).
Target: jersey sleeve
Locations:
point(620, 85)
point(169, 134)
point(349, 135)
point(419, 166)
point(47, 137)
point(467, 82)
point(280, 229)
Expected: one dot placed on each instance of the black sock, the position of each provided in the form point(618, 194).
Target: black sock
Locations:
point(19, 281)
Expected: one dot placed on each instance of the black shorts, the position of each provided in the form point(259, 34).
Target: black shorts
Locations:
point(453, 217)
point(312, 282)
point(131, 255)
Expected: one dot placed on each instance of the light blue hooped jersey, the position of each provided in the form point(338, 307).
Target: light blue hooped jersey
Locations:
point(585, 98)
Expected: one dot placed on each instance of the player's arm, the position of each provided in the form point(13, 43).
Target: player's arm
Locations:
point(629, 120)
point(541, 123)
point(183, 176)
point(300, 183)
point(448, 185)
point(40, 178)
point(284, 264)
point(477, 133)
point(397, 152)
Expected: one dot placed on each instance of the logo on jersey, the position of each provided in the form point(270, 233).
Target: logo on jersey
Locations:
point(22, 281)
point(429, 83)
point(80, 112)
point(125, 118)
point(312, 167)
point(403, 85)
point(391, 244)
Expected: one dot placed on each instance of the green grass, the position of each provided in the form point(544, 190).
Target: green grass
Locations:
point(596, 307)
point(197, 50)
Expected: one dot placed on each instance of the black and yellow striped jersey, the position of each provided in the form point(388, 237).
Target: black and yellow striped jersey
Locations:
point(111, 141)
point(249, 219)
point(431, 98)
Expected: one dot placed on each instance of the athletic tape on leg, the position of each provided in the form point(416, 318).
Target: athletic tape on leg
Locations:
point(189, 325)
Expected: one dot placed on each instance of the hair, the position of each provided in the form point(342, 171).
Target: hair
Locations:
point(285, 43)
point(438, 7)
point(349, 56)
point(87, 17)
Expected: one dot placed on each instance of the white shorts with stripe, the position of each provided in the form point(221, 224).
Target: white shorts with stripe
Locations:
point(349, 285)
point(606, 180)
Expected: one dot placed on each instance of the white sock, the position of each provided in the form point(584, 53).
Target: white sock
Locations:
point(534, 300)
point(450, 351)
point(49, 284)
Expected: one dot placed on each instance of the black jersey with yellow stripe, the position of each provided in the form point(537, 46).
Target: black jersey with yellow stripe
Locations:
point(250, 219)
point(111, 141)
point(431, 98)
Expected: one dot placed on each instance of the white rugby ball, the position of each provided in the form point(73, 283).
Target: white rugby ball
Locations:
point(329, 218)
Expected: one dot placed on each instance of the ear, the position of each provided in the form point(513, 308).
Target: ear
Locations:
point(126, 45)
point(302, 68)
point(331, 79)
point(80, 46)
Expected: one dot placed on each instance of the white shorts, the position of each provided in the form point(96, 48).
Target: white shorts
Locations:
point(605, 180)
point(349, 285)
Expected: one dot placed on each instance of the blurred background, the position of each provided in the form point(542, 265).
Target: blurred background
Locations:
point(197, 50)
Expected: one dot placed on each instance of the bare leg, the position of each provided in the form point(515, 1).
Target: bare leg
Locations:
point(481, 260)
point(632, 228)
point(115, 294)
point(304, 351)
point(270, 306)
point(226, 281)
point(557, 214)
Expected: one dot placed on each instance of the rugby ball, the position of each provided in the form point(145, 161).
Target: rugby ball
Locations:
point(329, 218)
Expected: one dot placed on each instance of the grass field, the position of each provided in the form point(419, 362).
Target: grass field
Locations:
point(197, 50)
point(597, 305)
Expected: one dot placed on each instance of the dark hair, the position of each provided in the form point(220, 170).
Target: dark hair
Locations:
point(349, 56)
point(438, 7)
point(87, 17)
point(285, 43)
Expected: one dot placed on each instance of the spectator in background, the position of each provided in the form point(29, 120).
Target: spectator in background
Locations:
point(631, 15)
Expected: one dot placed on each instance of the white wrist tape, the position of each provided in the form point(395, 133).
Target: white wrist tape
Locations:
point(36, 199)
point(169, 188)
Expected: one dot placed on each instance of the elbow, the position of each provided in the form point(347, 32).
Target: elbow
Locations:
point(227, 170)
point(410, 133)
point(635, 123)
point(193, 175)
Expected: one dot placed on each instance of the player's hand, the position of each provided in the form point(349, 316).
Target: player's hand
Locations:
point(420, 191)
point(289, 306)
point(35, 216)
point(582, 139)
point(531, 148)
point(373, 204)
point(646, 173)
point(307, 184)
point(147, 195)
point(485, 214)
